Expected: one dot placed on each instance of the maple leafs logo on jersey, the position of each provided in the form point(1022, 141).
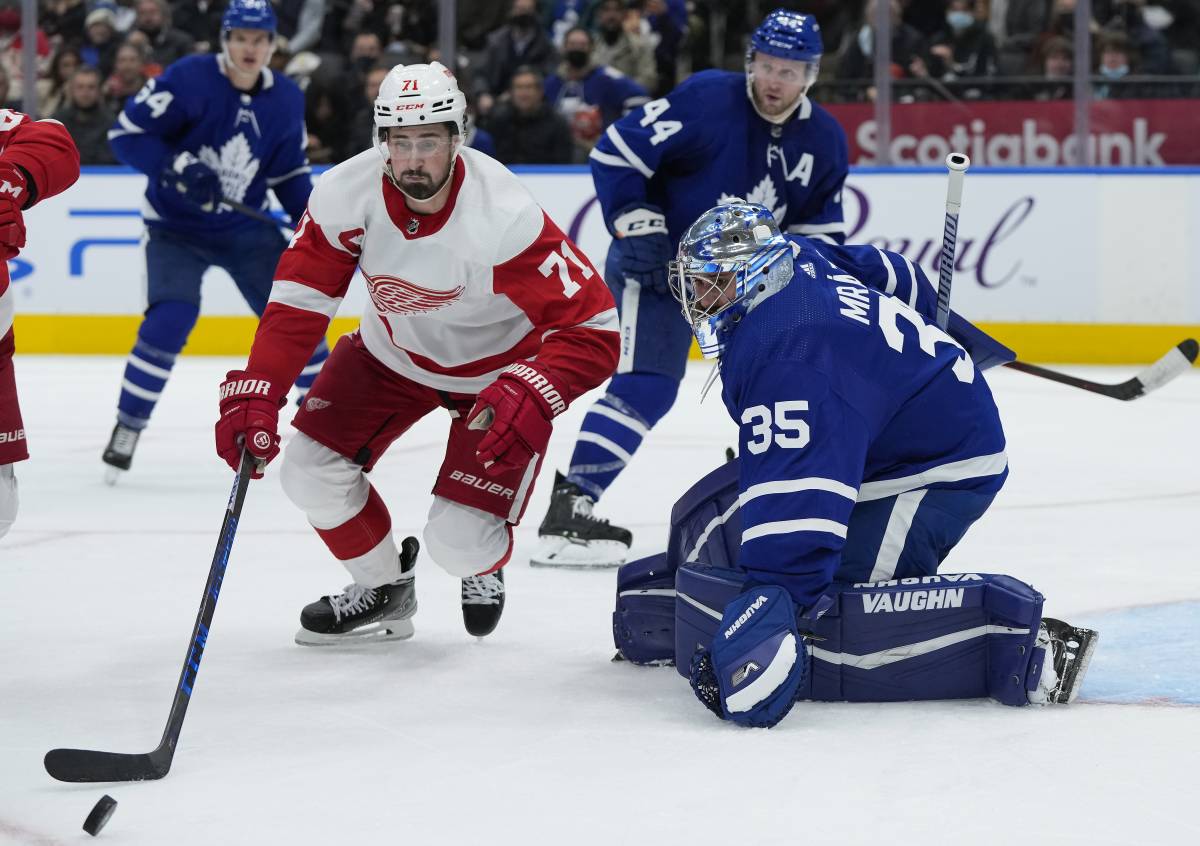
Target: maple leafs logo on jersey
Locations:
point(235, 165)
point(764, 194)
point(393, 295)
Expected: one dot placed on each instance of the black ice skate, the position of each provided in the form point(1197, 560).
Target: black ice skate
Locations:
point(118, 455)
point(1071, 649)
point(570, 536)
point(362, 614)
point(483, 602)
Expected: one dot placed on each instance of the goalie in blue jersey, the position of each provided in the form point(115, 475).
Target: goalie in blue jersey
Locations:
point(717, 135)
point(210, 128)
point(868, 444)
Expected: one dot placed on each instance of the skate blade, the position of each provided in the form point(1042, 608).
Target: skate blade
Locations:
point(112, 474)
point(567, 554)
point(372, 633)
point(1083, 659)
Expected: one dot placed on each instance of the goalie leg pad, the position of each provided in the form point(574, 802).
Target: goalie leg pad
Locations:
point(952, 636)
point(644, 621)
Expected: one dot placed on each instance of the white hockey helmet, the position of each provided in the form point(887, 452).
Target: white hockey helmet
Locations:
point(418, 95)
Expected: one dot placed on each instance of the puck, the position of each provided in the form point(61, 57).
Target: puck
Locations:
point(99, 815)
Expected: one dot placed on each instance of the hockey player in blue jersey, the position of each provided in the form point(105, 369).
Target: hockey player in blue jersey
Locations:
point(210, 128)
point(868, 444)
point(717, 135)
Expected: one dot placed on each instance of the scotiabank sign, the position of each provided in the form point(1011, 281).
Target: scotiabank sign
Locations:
point(1028, 134)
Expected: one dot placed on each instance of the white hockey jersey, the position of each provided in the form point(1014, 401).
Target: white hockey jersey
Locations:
point(455, 297)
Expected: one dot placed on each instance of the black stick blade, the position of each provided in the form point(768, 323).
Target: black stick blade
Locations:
point(86, 765)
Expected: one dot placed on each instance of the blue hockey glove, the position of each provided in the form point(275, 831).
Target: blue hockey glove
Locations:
point(643, 247)
point(758, 661)
point(195, 180)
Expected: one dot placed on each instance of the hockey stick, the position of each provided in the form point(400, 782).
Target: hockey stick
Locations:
point(1178, 360)
point(958, 164)
point(89, 765)
point(260, 216)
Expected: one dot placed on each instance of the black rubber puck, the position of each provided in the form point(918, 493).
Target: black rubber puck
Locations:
point(99, 815)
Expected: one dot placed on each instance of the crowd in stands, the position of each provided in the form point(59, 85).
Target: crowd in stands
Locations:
point(545, 77)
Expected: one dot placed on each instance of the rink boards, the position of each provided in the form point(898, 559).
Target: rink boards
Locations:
point(1080, 265)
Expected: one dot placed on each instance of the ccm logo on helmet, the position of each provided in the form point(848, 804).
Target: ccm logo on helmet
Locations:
point(405, 107)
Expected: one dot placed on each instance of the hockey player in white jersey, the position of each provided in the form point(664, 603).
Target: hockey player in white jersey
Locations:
point(480, 304)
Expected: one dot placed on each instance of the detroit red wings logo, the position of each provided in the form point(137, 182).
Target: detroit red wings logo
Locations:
point(393, 295)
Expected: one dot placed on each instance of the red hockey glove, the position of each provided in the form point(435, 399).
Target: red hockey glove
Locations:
point(14, 191)
point(249, 415)
point(516, 410)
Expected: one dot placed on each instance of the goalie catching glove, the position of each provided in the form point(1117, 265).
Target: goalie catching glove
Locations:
point(250, 415)
point(516, 411)
point(758, 660)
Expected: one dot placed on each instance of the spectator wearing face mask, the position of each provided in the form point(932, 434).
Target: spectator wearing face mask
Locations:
point(521, 42)
point(588, 95)
point(1116, 62)
point(87, 117)
point(619, 43)
point(963, 47)
point(908, 47)
point(1128, 17)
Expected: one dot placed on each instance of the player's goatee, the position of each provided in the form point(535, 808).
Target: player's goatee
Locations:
point(417, 185)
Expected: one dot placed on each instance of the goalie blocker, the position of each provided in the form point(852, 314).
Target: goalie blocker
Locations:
point(945, 636)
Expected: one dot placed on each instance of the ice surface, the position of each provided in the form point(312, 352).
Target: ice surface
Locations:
point(533, 736)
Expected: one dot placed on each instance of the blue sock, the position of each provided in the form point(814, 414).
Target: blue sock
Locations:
point(161, 336)
point(614, 427)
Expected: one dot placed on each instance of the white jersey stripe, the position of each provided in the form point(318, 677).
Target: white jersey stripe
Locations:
point(601, 441)
point(609, 159)
point(624, 419)
point(303, 297)
point(955, 471)
point(904, 509)
point(787, 527)
point(147, 367)
point(628, 153)
point(140, 393)
point(912, 278)
point(891, 272)
point(812, 483)
point(712, 526)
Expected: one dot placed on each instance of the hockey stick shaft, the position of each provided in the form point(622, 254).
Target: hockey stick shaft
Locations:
point(1171, 365)
point(82, 765)
point(261, 216)
point(957, 163)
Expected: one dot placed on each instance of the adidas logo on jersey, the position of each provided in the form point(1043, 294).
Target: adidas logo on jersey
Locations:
point(808, 268)
point(316, 404)
point(912, 600)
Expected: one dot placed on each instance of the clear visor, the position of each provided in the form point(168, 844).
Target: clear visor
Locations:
point(790, 72)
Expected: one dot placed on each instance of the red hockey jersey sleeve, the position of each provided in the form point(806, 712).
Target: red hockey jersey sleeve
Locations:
point(568, 303)
point(311, 279)
point(43, 149)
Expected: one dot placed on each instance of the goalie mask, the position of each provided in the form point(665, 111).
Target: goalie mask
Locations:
point(728, 262)
point(419, 95)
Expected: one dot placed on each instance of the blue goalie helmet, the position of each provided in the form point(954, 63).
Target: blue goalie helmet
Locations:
point(730, 260)
point(248, 14)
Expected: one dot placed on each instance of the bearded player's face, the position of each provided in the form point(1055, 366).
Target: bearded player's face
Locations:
point(420, 158)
